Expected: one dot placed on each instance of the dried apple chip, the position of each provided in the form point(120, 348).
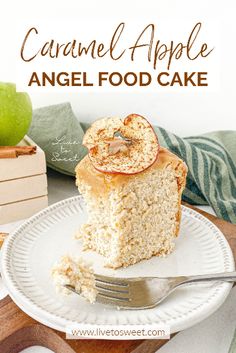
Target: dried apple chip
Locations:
point(119, 146)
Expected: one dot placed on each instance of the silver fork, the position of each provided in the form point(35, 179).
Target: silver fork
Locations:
point(145, 292)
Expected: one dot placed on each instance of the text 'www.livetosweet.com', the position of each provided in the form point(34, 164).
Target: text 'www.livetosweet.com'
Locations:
point(124, 332)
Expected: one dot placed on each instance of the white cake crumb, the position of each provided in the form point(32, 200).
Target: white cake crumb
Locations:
point(78, 274)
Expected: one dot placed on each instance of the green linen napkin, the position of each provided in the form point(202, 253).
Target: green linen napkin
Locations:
point(57, 131)
point(211, 158)
point(232, 348)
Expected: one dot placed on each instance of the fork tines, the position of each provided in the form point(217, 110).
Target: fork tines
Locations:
point(112, 289)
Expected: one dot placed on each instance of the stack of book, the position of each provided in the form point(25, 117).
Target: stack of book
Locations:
point(23, 181)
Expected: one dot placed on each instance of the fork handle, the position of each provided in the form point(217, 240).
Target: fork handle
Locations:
point(224, 276)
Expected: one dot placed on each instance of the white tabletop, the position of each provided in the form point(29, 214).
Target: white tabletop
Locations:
point(212, 335)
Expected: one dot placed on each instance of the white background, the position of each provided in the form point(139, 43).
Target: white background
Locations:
point(181, 111)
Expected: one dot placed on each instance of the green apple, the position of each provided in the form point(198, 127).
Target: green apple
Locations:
point(15, 114)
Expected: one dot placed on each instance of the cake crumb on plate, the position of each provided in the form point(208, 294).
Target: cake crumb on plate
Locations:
point(76, 273)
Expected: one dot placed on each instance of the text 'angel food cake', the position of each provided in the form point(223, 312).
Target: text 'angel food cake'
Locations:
point(132, 188)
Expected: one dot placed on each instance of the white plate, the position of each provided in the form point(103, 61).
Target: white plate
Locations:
point(29, 253)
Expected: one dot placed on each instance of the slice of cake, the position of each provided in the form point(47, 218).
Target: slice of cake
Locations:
point(133, 197)
point(76, 273)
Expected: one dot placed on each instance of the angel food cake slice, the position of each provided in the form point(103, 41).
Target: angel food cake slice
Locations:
point(132, 188)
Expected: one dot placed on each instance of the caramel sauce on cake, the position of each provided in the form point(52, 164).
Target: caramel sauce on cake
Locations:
point(102, 182)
